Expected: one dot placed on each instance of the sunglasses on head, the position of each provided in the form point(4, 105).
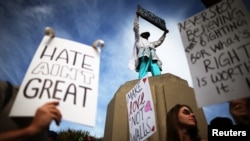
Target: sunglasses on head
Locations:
point(186, 112)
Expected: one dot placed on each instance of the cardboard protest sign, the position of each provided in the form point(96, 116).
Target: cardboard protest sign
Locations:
point(65, 71)
point(217, 47)
point(151, 17)
point(141, 115)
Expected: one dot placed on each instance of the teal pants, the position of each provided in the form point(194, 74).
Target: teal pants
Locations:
point(147, 64)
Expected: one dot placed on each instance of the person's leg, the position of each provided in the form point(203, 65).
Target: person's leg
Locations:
point(144, 64)
point(155, 69)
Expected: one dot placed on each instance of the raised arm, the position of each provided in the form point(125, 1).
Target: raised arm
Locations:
point(136, 27)
point(41, 121)
point(160, 41)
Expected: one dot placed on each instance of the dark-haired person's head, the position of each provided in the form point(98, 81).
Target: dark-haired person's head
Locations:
point(221, 122)
point(240, 110)
point(52, 136)
point(180, 118)
point(145, 35)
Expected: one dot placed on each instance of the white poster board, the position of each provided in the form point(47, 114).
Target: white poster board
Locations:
point(141, 114)
point(217, 47)
point(65, 71)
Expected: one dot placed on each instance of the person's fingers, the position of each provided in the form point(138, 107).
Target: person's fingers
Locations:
point(55, 112)
point(52, 103)
point(57, 116)
point(44, 115)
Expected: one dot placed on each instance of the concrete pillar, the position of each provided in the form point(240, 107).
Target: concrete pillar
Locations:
point(167, 90)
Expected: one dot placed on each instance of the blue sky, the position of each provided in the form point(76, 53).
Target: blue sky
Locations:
point(22, 27)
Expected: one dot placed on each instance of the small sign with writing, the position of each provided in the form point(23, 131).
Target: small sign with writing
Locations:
point(141, 115)
point(217, 47)
point(65, 71)
point(152, 18)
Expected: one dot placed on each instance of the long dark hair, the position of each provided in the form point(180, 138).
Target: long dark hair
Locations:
point(173, 125)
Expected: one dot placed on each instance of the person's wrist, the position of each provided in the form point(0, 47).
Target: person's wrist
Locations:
point(31, 130)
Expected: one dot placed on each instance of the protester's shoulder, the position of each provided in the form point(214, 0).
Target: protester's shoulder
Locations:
point(4, 86)
point(7, 91)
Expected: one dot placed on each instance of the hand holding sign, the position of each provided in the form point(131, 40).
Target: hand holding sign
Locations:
point(62, 70)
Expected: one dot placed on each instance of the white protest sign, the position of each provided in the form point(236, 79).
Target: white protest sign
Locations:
point(217, 47)
point(65, 71)
point(141, 114)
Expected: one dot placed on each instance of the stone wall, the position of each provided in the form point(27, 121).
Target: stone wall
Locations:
point(167, 90)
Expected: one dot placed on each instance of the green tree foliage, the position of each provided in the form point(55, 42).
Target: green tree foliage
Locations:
point(75, 135)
